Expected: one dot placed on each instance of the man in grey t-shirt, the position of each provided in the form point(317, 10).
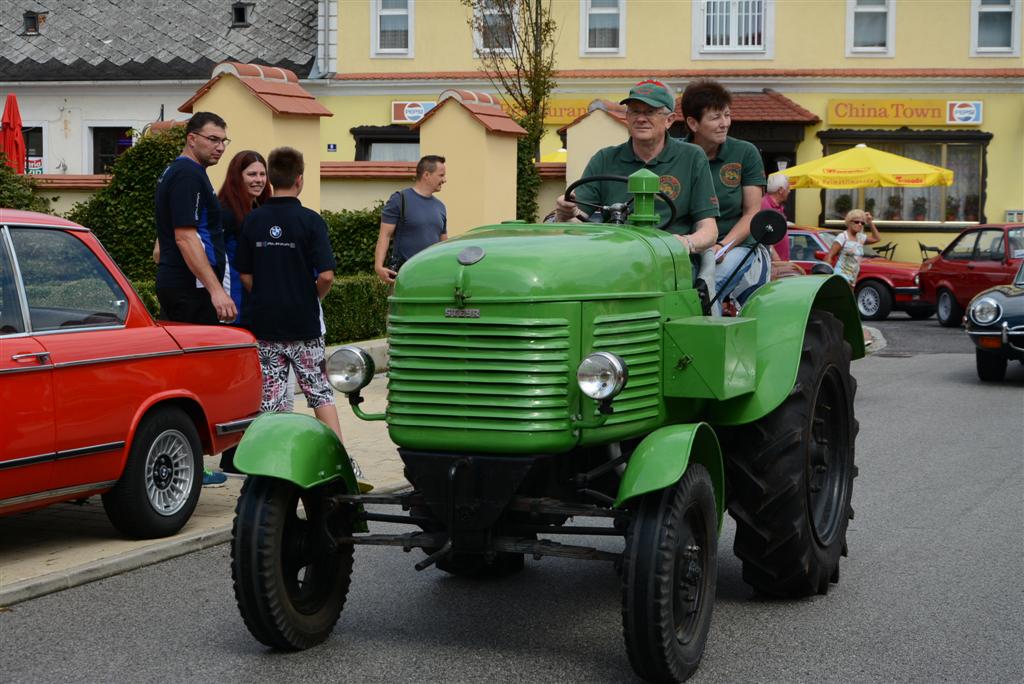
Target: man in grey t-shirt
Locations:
point(414, 217)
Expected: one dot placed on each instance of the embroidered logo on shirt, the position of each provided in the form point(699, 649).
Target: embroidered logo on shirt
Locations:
point(670, 186)
point(731, 174)
point(275, 232)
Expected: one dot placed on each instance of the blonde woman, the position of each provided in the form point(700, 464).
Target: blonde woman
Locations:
point(848, 248)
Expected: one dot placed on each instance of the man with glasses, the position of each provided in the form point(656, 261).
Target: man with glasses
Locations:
point(189, 235)
point(682, 167)
point(190, 240)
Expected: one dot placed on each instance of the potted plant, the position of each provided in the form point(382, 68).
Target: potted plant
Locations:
point(972, 205)
point(952, 207)
point(895, 210)
point(843, 204)
point(920, 208)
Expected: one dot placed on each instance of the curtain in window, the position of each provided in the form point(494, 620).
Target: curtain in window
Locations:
point(603, 24)
point(870, 21)
point(385, 151)
point(394, 25)
point(995, 23)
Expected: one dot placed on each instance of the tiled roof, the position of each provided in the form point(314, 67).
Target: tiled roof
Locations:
point(367, 169)
point(698, 73)
point(551, 169)
point(767, 105)
point(85, 40)
point(277, 88)
point(71, 181)
point(493, 117)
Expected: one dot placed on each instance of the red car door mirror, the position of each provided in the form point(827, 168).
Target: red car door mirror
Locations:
point(820, 254)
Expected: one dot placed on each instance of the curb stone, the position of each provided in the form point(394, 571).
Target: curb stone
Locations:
point(103, 568)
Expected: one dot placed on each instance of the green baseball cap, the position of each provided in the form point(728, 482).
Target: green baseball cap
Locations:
point(654, 93)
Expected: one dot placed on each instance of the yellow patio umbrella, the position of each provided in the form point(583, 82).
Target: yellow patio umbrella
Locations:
point(558, 155)
point(866, 167)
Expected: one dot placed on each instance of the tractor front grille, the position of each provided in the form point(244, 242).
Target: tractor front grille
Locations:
point(636, 337)
point(502, 374)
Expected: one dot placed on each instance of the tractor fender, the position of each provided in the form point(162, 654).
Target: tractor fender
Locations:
point(782, 308)
point(294, 447)
point(662, 457)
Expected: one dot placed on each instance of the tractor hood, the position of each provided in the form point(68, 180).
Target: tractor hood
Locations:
point(515, 262)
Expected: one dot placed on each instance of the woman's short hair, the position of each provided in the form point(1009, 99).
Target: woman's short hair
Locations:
point(855, 214)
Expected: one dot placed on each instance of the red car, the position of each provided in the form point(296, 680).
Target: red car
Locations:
point(979, 258)
point(97, 397)
point(882, 285)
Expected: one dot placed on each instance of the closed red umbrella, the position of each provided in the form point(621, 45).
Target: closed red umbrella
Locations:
point(12, 142)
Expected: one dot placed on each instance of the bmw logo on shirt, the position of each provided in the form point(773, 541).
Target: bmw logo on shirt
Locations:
point(275, 232)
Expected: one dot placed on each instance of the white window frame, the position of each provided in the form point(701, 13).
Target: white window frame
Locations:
point(376, 51)
point(478, 39)
point(1014, 49)
point(890, 30)
point(700, 52)
point(87, 144)
point(30, 123)
point(585, 49)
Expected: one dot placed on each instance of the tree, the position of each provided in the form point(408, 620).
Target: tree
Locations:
point(516, 46)
point(18, 191)
point(121, 214)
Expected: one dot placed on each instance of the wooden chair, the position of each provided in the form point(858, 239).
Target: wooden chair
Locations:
point(927, 250)
point(885, 250)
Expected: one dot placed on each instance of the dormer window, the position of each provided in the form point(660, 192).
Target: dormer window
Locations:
point(32, 22)
point(240, 12)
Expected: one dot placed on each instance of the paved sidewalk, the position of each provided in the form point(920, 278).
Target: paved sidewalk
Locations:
point(65, 545)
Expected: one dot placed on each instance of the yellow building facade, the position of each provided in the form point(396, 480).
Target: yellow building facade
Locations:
point(941, 81)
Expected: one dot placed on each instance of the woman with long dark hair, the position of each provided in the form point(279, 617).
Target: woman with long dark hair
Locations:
point(245, 188)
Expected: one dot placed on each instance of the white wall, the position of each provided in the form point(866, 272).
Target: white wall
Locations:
point(67, 110)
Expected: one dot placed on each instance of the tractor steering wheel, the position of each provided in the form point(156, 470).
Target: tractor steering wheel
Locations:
point(619, 210)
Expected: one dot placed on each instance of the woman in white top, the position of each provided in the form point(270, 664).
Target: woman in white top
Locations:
point(848, 248)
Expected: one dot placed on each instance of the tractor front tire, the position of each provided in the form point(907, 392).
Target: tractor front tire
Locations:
point(290, 582)
point(790, 474)
point(669, 575)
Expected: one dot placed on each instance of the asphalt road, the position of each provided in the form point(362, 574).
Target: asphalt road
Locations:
point(932, 590)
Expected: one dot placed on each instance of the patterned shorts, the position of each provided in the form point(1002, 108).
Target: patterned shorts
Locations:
point(307, 358)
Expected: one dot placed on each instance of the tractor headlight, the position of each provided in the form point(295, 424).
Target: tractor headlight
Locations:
point(985, 311)
point(350, 369)
point(602, 375)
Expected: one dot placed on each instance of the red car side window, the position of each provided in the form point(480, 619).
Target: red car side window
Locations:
point(963, 248)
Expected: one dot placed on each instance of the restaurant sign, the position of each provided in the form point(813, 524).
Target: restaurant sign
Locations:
point(557, 112)
point(877, 112)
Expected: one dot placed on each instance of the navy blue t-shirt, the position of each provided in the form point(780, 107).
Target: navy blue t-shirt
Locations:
point(283, 245)
point(185, 197)
point(425, 221)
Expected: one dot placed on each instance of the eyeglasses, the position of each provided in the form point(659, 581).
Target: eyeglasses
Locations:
point(650, 113)
point(215, 140)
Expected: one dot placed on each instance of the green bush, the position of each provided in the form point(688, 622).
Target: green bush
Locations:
point(147, 291)
point(353, 238)
point(121, 214)
point(356, 309)
point(18, 192)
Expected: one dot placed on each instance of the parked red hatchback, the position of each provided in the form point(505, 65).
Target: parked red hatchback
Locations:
point(979, 258)
point(882, 285)
point(97, 397)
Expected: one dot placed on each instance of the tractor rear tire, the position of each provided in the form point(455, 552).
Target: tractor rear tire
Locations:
point(670, 571)
point(791, 473)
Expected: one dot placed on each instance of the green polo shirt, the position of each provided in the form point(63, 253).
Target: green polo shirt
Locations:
point(682, 168)
point(737, 165)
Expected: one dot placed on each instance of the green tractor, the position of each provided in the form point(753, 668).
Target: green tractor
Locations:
point(544, 374)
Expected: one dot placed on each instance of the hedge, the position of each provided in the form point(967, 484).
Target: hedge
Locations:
point(122, 214)
point(18, 191)
point(353, 238)
point(355, 309)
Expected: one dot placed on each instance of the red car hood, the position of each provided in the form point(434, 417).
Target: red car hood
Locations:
point(885, 266)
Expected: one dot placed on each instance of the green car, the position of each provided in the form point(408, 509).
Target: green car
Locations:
point(549, 383)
